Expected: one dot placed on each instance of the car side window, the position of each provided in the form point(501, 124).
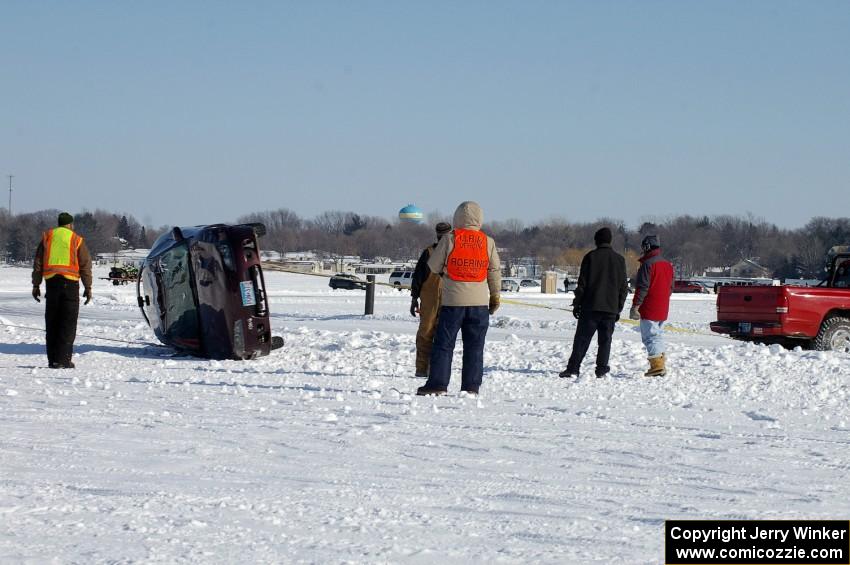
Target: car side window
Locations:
point(181, 314)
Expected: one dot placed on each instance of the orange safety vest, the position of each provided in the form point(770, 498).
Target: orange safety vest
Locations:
point(468, 260)
point(60, 253)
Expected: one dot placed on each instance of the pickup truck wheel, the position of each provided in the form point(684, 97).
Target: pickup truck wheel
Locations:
point(834, 335)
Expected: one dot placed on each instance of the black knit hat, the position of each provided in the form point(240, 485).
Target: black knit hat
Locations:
point(65, 218)
point(650, 242)
point(603, 235)
point(443, 228)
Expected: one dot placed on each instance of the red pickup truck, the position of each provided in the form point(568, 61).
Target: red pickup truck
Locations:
point(817, 317)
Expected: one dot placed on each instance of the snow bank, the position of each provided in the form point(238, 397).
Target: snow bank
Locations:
point(320, 453)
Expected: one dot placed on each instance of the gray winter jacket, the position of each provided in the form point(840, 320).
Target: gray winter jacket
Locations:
point(456, 293)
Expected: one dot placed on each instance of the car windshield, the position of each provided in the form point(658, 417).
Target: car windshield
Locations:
point(181, 314)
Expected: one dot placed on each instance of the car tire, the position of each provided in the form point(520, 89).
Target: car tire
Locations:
point(259, 228)
point(834, 335)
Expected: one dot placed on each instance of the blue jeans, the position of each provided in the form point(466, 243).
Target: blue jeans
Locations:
point(472, 322)
point(652, 337)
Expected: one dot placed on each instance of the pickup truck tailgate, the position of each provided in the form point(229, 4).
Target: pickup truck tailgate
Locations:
point(751, 303)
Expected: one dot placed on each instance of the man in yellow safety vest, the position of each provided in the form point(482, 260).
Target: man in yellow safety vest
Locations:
point(62, 260)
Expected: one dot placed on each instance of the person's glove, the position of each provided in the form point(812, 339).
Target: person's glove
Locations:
point(576, 311)
point(414, 306)
point(36, 293)
point(87, 294)
point(494, 304)
point(634, 314)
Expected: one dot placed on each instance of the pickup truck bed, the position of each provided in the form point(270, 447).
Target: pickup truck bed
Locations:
point(792, 315)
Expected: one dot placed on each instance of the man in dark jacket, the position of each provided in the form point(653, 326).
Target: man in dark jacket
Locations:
point(425, 300)
point(599, 299)
point(651, 303)
point(62, 260)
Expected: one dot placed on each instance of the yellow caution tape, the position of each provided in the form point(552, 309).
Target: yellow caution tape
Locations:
point(273, 266)
point(530, 305)
point(621, 320)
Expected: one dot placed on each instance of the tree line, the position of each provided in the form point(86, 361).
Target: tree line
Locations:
point(692, 243)
point(104, 232)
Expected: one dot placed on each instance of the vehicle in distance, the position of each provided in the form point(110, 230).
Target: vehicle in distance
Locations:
point(689, 287)
point(529, 283)
point(123, 274)
point(201, 290)
point(509, 285)
point(346, 282)
point(401, 279)
point(813, 316)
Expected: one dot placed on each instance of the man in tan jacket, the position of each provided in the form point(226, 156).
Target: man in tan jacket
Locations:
point(425, 290)
point(468, 263)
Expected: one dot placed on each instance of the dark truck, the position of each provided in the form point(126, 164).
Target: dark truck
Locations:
point(817, 317)
point(201, 290)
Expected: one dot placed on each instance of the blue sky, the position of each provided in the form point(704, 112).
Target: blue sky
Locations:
point(196, 112)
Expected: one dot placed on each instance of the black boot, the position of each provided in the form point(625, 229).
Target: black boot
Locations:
point(425, 391)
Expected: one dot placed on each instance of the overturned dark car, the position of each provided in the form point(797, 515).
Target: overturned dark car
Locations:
point(201, 290)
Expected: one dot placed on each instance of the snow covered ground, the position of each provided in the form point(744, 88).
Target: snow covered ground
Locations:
point(319, 453)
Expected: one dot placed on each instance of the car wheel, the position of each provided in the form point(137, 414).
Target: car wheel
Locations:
point(834, 335)
point(259, 228)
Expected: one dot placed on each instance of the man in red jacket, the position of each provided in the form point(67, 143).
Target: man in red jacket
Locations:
point(651, 302)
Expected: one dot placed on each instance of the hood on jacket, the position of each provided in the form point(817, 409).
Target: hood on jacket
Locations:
point(468, 216)
point(650, 254)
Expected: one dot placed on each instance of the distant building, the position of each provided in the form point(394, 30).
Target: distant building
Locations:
point(381, 268)
point(743, 269)
point(132, 257)
point(522, 267)
point(411, 214)
point(747, 268)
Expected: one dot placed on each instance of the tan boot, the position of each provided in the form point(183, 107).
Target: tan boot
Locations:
point(656, 367)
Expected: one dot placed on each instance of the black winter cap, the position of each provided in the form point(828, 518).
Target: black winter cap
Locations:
point(65, 218)
point(603, 235)
point(650, 242)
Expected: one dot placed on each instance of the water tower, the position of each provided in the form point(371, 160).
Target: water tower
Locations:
point(411, 214)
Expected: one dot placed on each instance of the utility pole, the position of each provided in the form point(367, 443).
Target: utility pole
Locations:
point(10, 193)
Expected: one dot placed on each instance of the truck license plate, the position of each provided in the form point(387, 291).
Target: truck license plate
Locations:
point(745, 327)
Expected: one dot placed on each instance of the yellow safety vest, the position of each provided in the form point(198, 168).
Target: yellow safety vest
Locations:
point(60, 253)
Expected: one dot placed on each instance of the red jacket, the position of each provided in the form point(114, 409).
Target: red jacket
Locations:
point(653, 287)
